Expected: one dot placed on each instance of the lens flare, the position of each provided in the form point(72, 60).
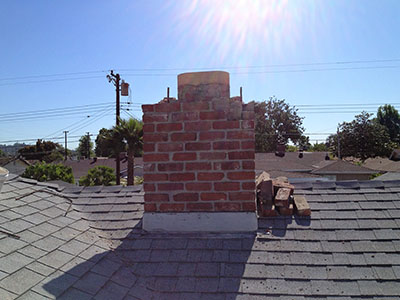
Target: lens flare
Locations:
point(229, 28)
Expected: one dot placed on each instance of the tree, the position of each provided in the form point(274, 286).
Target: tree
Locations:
point(389, 117)
point(43, 150)
point(362, 138)
point(2, 153)
point(104, 143)
point(130, 132)
point(318, 147)
point(45, 172)
point(85, 147)
point(276, 122)
point(99, 175)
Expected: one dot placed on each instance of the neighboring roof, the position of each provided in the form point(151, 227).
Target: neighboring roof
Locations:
point(81, 167)
point(6, 160)
point(382, 164)
point(388, 176)
point(277, 173)
point(291, 161)
point(342, 167)
point(95, 248)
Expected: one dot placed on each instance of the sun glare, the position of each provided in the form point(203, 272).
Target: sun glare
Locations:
point(230, 27)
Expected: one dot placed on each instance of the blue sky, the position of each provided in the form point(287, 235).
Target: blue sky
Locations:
point(150, 42)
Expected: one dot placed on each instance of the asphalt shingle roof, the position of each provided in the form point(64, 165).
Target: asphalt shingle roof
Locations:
point(87, 243)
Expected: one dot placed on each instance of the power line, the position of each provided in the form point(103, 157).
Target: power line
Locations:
point(58, 109)
point(267, 66)
point(209, 68)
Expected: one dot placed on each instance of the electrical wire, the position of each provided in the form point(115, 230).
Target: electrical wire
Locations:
point(206, 68)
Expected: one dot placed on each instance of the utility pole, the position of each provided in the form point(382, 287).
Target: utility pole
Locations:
point(65, 146)
point(338, 142)
point(88, 145)
point(115, 79)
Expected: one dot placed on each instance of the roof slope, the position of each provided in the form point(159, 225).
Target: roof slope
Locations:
point(342, 167)
point(382, 164)
point(349, 248)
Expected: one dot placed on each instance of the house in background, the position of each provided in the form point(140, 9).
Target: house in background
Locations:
point(81, 167)
point(341, 170)
point(15, 165)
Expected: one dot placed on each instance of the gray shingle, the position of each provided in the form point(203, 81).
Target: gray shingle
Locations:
point(56, 259)
point(20, 281)
point(91, 283)
point(112, 291)
point(13, 262)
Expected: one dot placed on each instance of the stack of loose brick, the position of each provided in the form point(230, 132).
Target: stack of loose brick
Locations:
point(199, 153)
point(275, 197)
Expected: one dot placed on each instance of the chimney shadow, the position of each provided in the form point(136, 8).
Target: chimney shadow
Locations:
point(159, 266)
point(277, 226)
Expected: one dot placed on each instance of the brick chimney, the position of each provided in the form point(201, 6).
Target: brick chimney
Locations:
point(199, 159)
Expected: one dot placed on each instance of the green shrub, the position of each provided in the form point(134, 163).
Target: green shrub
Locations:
point(100, 175)
point(45, 172)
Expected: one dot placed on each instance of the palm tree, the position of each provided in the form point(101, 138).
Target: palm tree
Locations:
point(131, 132)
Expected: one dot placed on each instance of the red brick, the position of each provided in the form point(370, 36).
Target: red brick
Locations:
point(150, 118)
point(196, 106)
point(155, 157)
point(228, 165)
point(241, 135)
point(210, 176)
point(199, 207)
point(166, 127)
point(185, 116)
point(249, 185)
point(184, 156)
point(226, 124)
point(186, 197)
point(181, 177)
point(230, 145)
point(242, 196)
point(156, 137)
point(248, 115)
point(156, 197)
point(225, 206)
point(198, 126)
point(171, 207)
point(198, 166)
point(212, 115)
point(212, 155)
point(170, 147)
point(248, 145)
point(150, 207)
point(198, 186)
point(212, 135)
point(184, 136)
point(149, 187)
point(155, 177)
point(241, 155)
point(170, 186)
point(226, 186)
point(170, 167)
point(249, 206)
point(241, 175)
point(148, 167)
point(167, 107)
point(148, 108)
point(212, 196)
point(248, 165)
point(149, 147)
point(148, 128)
point(197, 146)
point(247, 124)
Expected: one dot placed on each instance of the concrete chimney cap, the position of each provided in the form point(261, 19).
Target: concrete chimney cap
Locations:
point(198, 78)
